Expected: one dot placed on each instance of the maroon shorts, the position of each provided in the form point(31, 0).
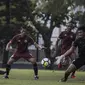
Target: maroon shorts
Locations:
point(26, 55)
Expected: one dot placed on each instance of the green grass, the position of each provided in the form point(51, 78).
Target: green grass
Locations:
point(46, 77)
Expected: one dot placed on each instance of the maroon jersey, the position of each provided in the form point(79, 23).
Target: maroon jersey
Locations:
point(67, 38)
point(22, 43)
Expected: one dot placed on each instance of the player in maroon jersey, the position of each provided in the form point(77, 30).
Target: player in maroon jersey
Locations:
point(67, 37)
point(22, 42)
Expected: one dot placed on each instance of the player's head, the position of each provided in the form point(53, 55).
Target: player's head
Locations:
point(69, 27)
point(22, 31)
point(81, 31)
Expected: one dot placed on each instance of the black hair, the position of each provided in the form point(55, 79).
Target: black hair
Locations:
point(82, 28)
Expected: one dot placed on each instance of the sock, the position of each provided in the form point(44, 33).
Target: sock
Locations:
point(8, 67)
point(35, 69)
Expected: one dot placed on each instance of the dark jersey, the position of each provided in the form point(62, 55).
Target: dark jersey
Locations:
point(22, 43)
point(66, 40)
point(80, 43)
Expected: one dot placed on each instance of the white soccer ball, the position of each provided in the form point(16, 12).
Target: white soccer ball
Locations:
point(45, 62)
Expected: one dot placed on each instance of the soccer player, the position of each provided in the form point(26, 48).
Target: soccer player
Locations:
point(21, 41)
point(67, 37)
point(80, 61)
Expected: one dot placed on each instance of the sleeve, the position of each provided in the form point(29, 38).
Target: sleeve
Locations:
point(13, 40)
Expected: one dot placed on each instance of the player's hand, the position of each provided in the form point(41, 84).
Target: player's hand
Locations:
point(58, 59)
point(10, 49)
point(42, 47)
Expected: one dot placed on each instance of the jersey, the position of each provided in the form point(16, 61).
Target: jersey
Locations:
point(80, 43)
point(22, 43)
point(66, 40)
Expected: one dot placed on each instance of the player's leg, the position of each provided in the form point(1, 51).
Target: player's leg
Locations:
point(8, 66)
point(27, 56)
point(73, 67)
point(32, 59)
point(73, 74)
point(35, 67)
point(72, 58)
point(70, 69)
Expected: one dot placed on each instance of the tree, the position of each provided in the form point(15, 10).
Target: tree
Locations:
point(79, 11)
point(42, 15)
point(47, 15)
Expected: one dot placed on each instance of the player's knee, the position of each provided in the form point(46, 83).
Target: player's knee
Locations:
point(33, 61)
point(10, 61)
point(35, 64)
point(8, 66)
point(68, 72)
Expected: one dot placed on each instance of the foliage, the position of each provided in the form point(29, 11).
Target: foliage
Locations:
point(38, 16)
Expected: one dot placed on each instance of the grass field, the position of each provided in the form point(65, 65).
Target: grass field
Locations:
point(46, 77)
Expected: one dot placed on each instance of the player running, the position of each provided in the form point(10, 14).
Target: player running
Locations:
point(67, 37)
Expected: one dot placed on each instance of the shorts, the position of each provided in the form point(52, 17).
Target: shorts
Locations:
point(26, 55)
point(79, 62)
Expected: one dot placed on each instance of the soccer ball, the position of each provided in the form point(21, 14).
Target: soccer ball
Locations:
point(45, 62)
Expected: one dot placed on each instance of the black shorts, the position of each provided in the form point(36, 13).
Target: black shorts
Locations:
point(79, 62)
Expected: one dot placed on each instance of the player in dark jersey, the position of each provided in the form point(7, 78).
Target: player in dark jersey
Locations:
point(80, 61)
point(67, 37)
point(22, 42)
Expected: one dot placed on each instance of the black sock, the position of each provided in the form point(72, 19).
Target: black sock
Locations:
point(8, 67)
point(35, 69)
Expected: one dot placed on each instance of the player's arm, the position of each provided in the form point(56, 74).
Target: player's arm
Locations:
point(35, 44)
point(9, 44)
point(59, 58)
point(70, 51)
point(38, 46)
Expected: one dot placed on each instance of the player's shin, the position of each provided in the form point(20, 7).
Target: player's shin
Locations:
point(64, 79)
point(8, 67)
point(35, 67)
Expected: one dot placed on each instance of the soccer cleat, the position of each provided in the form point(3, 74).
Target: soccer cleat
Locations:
point(36, 77)
point(63, 80)
point(6, 76)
